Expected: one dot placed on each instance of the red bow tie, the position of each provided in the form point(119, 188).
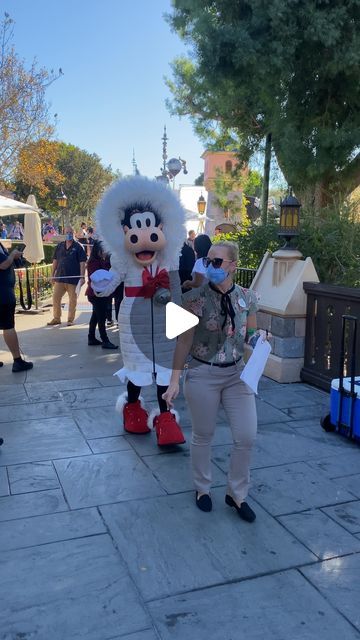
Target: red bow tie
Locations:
point(152, 283)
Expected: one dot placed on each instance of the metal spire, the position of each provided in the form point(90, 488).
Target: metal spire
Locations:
point(136, 171)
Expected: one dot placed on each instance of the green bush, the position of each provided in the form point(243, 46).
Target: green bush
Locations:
point(332, 240)
point(253, 242)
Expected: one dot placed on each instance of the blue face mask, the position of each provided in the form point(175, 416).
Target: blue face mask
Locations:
point(69, 236)
point(216, 276)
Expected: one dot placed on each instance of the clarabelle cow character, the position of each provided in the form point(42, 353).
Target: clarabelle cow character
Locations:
point(141, 224)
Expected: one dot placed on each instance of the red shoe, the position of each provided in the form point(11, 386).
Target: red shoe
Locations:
point(167, 429)
point(135, 417)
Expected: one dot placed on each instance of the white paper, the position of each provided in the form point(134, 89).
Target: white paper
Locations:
point(255, 366)
point(78, 288)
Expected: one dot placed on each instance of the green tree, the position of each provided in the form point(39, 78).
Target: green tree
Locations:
point(24, 115)
point(282, 67)
point(199, 180)
point(84, 180)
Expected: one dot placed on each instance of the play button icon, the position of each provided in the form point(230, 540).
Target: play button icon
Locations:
point(178, 320)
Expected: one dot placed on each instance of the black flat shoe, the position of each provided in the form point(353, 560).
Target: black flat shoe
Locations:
point(204, 503)
point(93, 342)
point(109, 345)
point(245, 512)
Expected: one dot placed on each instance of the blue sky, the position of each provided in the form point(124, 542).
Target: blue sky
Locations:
point(114, 54)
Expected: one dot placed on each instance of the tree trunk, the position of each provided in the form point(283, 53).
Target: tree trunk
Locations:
point(265, 192)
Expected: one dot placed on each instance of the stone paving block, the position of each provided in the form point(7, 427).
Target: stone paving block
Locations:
point(106, 445)
point(191, 550)
point(111, 381)
point(77, 589)
point(101, 397)
point(13, 394)
point(174, 472)
point(31, 504)
point(98, 422)
point(32, 476)
point(42, 439)
point(42, 391)
point(348, 515)
point(266, 413)
point(342, 463)
point(259, 458)
point(338, 581)
point(317, 395)
point(146, 445)
point(309, 411)
point(293, 488)
point(106, 478)
point(295, 445)
point(54, 527)
point(4, 485)
point(149, 634)
point(350, 483)
point(320, 534)
point(282, 400)
point(314, 423)
point(33, 411)
point(283, 606)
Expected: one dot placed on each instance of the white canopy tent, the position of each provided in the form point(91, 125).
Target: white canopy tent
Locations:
point(34, 251)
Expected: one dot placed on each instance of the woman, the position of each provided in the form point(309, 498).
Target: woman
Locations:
point(227, 318)
point(16, 231)
point(202, 244)
point(98, 260)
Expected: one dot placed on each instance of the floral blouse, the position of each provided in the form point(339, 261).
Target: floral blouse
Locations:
point(214, 342)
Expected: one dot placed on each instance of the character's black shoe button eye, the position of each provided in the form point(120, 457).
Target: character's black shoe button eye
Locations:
point(154, 237)
point(133, 239)
point(148, 222)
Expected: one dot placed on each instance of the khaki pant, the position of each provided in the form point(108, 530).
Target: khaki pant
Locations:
point(205, 388)
point(60, 288)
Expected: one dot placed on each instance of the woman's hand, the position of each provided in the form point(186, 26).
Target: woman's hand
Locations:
point(171, 394)
point(187, 284)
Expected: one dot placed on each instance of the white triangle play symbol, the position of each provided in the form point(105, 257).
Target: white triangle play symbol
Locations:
point(178, 320)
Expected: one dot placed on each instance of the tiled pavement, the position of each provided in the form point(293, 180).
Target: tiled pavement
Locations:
point(100, 538)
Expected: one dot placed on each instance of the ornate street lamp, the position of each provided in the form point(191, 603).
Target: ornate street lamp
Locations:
point(170, 169)
point(62, 202)
point(289, 219)
point(201, 206)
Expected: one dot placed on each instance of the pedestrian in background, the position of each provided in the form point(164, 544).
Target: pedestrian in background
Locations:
point(3, 231)
point(99, 259)
point(186, 264)
point(191, 237)
point(7, 308)
point(68, 269)
point(16, 231)
point(202, 244)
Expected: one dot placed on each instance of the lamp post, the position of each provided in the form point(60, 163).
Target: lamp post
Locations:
point(62, 202)
point(201, 206)
point(289, 220)
point(170, 169)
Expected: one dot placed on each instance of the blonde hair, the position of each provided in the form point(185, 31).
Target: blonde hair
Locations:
point(231, 247)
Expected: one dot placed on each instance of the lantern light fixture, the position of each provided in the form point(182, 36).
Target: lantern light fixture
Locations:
point(62, 199)
point(201, 205)
point(289, 219)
